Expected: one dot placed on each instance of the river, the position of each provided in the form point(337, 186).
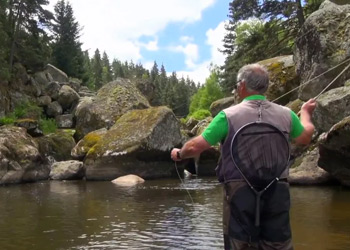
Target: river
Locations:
point(158, 214)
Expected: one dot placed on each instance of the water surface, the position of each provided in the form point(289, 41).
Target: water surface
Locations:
point(156, 215)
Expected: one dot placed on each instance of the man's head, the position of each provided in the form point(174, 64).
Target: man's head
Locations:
point(252, 79)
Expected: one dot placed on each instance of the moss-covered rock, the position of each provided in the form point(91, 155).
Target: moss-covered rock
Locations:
point(139, 143)
point(221, 104)
point(282, 78)
point(85, 144)
point(334, 148)
point(57, 145)
point(295, 105)
point(111, 102)
point(323, 43)
point(20, 159)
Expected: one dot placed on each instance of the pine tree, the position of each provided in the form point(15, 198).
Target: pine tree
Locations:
point(4, 41)
point(117, 69)
point(97, 69)
point(27, 40)
point(106, 69)
point(67, 54)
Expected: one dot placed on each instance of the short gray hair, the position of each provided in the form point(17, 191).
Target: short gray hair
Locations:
point(255, 76)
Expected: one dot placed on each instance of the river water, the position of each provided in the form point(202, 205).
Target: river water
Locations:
point(158, 214)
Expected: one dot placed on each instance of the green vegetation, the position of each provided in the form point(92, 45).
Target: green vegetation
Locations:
point(201, 114)
point(30, 110)
point(261, 29)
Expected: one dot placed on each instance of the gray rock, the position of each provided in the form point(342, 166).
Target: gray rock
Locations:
point(64, 121)
point(282, 78)
point(307, 171)
point(57, 74)
point(20, 159)
point(324, 42)
point(112, 101)
point(57, 146)
point(44, 101)
point(32, 126)
point(139, 143)
point(334, 148)
point(331, 108)
point(54, 109)
point(75, 84)
point(221, 104)
point(52, 89)
point(67, 170)
point(67, 97)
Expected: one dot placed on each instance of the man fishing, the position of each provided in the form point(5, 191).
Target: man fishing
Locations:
point(246, 225)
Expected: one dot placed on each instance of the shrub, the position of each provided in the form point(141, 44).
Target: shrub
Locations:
point(47, 125)
point(201, 114)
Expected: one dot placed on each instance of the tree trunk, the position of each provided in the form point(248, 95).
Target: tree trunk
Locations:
point(14, 33)
point(300, 14)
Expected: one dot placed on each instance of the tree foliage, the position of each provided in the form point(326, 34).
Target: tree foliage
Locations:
point(261, 29)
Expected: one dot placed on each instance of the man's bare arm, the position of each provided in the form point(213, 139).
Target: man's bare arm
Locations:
point(305, 119)
point(192, 148)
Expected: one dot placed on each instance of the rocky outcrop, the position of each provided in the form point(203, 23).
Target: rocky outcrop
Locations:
point(20, 159)
point(282, 78)
point(323, 43)
point(67, 170)
point(221, 104)
point(56, 146)
point(111, 102)
point(331, 108)
point(67, 97)
point(139, 143)
point(334, 149)
point(305, 170)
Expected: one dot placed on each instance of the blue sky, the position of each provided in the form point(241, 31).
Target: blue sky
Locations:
point(184, 35)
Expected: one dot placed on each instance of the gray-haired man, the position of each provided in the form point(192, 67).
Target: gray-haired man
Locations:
point(252, 83)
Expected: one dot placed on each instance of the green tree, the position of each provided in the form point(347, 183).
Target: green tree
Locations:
point(117, 69)
point(97, 69)
point(67, 54)
point(4, 41)
point(27, 40)
point(106, 69)
point(207, 94)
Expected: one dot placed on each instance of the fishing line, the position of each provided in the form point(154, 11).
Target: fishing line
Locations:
point(183, 183)
point(307, 82)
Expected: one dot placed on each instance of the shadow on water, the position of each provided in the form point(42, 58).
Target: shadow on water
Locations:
point(158, 214)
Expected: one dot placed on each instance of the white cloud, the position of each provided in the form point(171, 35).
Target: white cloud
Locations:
point(115, 26)
point(191, 53)
point(214, 39)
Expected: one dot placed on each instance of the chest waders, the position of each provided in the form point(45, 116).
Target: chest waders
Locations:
point(260, 151)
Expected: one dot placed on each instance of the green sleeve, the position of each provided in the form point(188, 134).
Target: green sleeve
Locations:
point(297, 128)
point(217, 130)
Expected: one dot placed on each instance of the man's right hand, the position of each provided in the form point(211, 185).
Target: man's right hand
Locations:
point(309, 106)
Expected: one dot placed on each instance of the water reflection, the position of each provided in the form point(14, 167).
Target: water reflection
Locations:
point(155, 215)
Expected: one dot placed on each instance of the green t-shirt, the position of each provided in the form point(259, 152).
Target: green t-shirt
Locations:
point(218, 128)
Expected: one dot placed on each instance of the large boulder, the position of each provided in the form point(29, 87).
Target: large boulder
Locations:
point(56, 146)
point(221, 104)
point(334, 151)
point(111, 102)
point(331, 108)
point(305, 170)
point(57, 74)
point(323, 43)
point(282, 78)
point(139, 143)
point(20, 159)
point(67, 97)
point(146, 88)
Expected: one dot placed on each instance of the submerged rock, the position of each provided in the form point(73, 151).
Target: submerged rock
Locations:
point(139, 143)
point(128, 180)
